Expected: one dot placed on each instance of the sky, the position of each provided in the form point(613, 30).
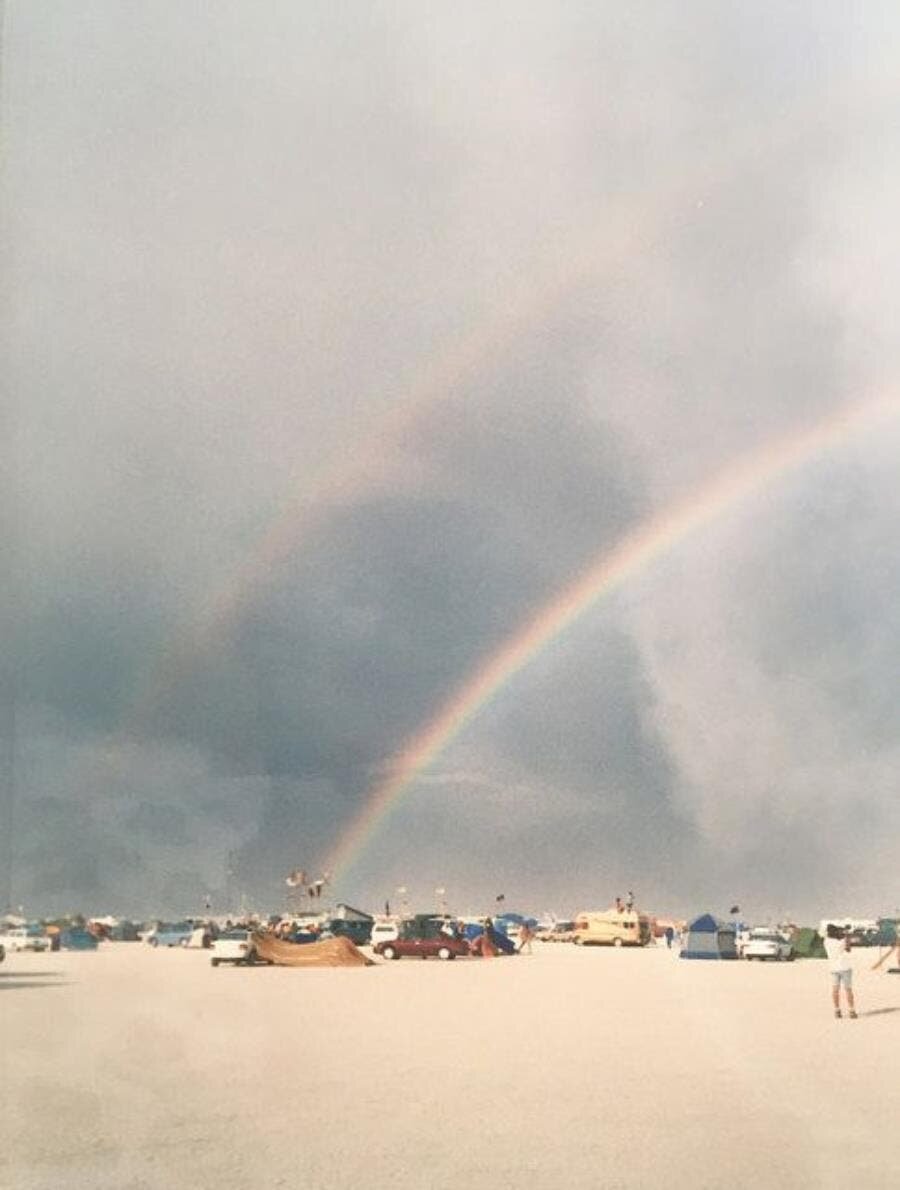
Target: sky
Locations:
point(343, 339)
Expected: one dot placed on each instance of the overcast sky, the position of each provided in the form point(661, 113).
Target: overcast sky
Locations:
point(342, 338)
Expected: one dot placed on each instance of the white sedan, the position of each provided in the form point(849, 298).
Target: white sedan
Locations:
point(768, 946)
point(234, 946)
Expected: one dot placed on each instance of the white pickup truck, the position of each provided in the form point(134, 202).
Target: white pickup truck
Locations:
point(24, 938)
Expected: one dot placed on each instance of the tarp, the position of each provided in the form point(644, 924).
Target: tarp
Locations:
point(331, 952)
point(709, 938)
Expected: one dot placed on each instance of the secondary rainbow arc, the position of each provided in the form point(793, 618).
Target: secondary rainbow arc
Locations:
point(636, 551)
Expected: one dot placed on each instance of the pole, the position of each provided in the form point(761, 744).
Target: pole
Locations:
point(9, 788)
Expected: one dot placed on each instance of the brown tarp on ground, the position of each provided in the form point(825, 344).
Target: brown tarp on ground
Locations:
point(331, 952)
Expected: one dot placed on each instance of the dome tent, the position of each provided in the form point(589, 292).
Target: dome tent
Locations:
point(808, 944)
point(710, 938)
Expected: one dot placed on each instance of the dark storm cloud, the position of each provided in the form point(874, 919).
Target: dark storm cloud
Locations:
point(359, 641)
point(237, 238)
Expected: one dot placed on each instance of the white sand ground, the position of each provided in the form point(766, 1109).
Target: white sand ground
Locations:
point(133, 1068)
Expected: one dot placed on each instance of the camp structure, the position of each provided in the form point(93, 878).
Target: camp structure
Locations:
point(498, 943)
point(77, 938)
point(709, 938)
point(888, 936)
point(807, 943)
point(330, 952)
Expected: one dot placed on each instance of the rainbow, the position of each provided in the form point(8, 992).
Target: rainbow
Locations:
point(361, 467)
point(650, 541)
point(630, 225)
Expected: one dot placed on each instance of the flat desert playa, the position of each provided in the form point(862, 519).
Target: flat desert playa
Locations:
point(132, 1068)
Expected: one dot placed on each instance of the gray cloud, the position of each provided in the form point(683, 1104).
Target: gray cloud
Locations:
point(237, 240)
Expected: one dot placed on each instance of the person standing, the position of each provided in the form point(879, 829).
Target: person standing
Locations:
point(487, 947)
point(526, 935)
point(840, 965)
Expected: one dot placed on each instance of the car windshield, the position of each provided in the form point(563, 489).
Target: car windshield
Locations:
point(765, 938)
point(236, 935)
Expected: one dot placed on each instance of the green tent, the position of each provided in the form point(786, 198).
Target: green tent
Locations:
point(808, 944)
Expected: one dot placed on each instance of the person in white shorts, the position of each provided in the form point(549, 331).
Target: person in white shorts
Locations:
point(837, 947)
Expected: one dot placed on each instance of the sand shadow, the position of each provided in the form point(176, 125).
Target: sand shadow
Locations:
point(30, 983)
point(880, 1011)
point(29, 974)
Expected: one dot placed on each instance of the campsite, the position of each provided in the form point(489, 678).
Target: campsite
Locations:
point(147, 1068)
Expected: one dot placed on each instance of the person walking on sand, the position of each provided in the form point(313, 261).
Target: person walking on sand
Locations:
point(840, 965)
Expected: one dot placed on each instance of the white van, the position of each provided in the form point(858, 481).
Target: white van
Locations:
point(384, 931)
point(612, 927)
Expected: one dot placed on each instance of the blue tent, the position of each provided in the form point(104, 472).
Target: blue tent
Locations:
point(76, 938)
point(504, 945)
point(710, 938)
point(504, 920)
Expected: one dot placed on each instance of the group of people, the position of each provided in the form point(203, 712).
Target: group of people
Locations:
point(625, 906)
point(486, 943)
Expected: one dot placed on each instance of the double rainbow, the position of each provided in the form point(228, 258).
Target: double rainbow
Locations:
point(636, 551)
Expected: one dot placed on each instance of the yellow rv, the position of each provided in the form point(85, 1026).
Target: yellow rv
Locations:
point(613, 927)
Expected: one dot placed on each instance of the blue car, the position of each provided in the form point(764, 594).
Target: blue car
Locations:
point(171, 934)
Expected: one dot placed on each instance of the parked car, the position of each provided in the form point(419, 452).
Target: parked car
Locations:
point(234, 946)
point(25, 938)
point(124, 931)
point(359, 932)
point(384, 931)
point(766, 944)
point(416, 942)
point(203, 935)
point(171, 934)
point(560, 931)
